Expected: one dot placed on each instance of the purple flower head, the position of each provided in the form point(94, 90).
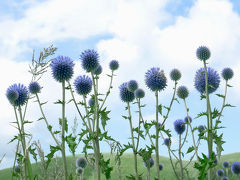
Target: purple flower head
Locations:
point(132, 85)
point(114, 65)
point(224, 178)
point(236, 167)
point(139, 93)
point(81, 162)
point(160, 167)
point(155, 79)
point(91, 102)
point(125, 94)
point(17, 169)
point(62, 68)
point(34, 87)
point(225, 164)
point(90, 60)
point(98, 70)
point(182, 92)
point(203, 53)
point(79, 171)
point(175, 75)
point(150, 163)
point(83, 85)
point(213, 80)
point(220, 172)
point(201, 128)
point(188, 119)
point(227, 73)
point(17, 94)
point(179, 126)
point(167, 141)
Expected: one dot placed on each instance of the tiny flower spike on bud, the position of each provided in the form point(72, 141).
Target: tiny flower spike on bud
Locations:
point(160, 167)
point(236, 168)
point(125, 94)
point(17, 94)
point(182, 92)
point(114, 65)
point(81, 162)
point(132, 85)
point(213, 80)
point(17, 169)
point(175, 75)
point(224, 178)
point(220, 172)
point(90, 60)
point(79, 171)
point(227, 73)
point(150, 163)
point(179, 126)
point(98, 70)
point(225, 164)
point(83, 85)
point(203, 53)
point(91, 102)
point(139, 93)
point(155, 79)
point(34, 87)
point(62, 68)
point(188, 119)
point(167, 141)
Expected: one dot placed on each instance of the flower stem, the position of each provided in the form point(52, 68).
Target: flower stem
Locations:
point(180, 158)
point(157, 137)
point(133, 142)
point(170, 157)
point(139, 123)
point(63, 132)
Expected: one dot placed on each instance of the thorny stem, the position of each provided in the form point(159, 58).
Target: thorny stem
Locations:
point(170, 157)
point(180, 158)
point(157, 137)
point(192, 156)
point(87, 113)
point(15, 158)
point(139, 122)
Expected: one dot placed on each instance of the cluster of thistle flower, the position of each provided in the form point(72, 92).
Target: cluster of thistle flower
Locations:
point(81, 163)
point(224, 174)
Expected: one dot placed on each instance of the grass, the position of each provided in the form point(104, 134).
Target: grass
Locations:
point(126, 168)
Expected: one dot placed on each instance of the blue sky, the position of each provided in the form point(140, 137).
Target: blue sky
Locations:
point(140, 35)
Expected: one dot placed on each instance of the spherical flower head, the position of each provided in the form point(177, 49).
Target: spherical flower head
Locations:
point(79, 171)
point(155, 79)
point(17, 94)
point(81, 162)
point(83, 85)
point(159, 124)
point(139, 93)
point(201, 128)
point(224, 178)
point(182, 92)
point(34, 87)
point(213, 80)
point(188, 119)
point(91, 102)
point(220, 172)
point(90, 60)
point(175, 75)
point(203, 53)
point(227, 73)
point(62, 68)
point(98, 70)
point(150, 163)
point(125, 94)
point(114, 65)
point(160, 167)
point(167, 142)
point(132, 85)
point(179, 126)
point(17, 169)
point(225, 164)
point(236, 167)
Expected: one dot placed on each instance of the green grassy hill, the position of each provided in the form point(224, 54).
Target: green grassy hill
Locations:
point(126, 168)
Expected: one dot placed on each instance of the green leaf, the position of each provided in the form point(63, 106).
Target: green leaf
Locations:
point(201, 114)
point(43, 103)
point(220, 95)
point(66, 124)
point(190, 149)
point(41, 118)
point(32, 151)
point(58, 102)
point(160, 109)
point(104, 117)
point(71, 141)
point(53, 150)
point(228, 105)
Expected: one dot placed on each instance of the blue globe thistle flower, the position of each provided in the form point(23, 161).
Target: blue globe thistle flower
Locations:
point(213, 80)
point(139, 93)
point(175, 75)
point(224, 178)
point(220, 172)
point(155, 79)
point(17, 169)
point(227, 73)
point(225, 164)
point(17, 94)
point(62, 68)
point(98, 70)
point(34, 87)
point(91, 102)
point(132, 85)
point(182, 92)
point(236, 167)
point(83, 85)
point(203, 53)
point(188, 119)
point(90, 60)
point(179, 126)
point(201, 128)
point(125, 94)
point(160, 167)
point(167, 141)
point(159, 124)
point(150, 163)
point(81, 162)
point(114, 65)
point(79, 171)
